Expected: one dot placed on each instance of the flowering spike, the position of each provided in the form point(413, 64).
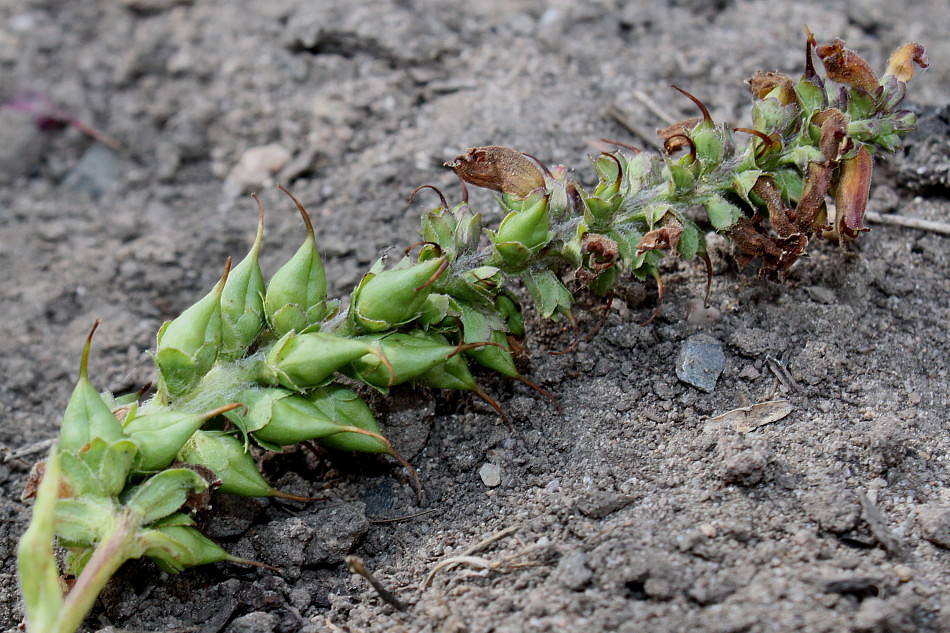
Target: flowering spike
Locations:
point(425, 321)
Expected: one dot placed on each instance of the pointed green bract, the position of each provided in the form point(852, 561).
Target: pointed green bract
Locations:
point(280, 417)
point(410, 356)
point(164, 493)
point(296, 296)
point(188, 345)
point(227, 457)
point(242, 303)
point(87, 416)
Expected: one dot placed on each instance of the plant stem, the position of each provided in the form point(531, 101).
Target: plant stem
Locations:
point(110, 553)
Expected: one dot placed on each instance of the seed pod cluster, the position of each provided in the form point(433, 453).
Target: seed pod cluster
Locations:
point(274, 364)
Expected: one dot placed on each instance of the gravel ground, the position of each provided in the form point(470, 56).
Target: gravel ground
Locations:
point(637, 508)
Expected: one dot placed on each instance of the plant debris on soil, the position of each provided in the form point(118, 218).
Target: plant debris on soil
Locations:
point(639, 507)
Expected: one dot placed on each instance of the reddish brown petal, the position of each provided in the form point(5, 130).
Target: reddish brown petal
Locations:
point(603, 251)
point(846, 67)
point(666, 237)
point(500, 169)
point(834, 129)
point(851, 193)
point(779, 216)
point(901, 62)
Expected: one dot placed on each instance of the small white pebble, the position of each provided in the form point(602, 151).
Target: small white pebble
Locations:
point(490, 474)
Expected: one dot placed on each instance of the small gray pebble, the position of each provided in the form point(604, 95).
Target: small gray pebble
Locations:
point(95, 173)
point(701, 362)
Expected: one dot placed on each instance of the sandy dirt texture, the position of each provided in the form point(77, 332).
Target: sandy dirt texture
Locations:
point(635, 509)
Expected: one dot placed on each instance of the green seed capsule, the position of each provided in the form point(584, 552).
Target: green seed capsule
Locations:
point(276, 417)
point(347, 408)
point(87, 416)
point(524, 232)
point(393, 297)
point(242, 305)
point(468, 230)
point(478, 326)
point(188, 346)
point(301, 361)
point(296, 297)
point(178, 547)
point(164, 493)
point(230, 461)
point(161, 435)
point(410, 356)
point(709, 141)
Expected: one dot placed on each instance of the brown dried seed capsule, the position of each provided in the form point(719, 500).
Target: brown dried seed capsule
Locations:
point(500, 169)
